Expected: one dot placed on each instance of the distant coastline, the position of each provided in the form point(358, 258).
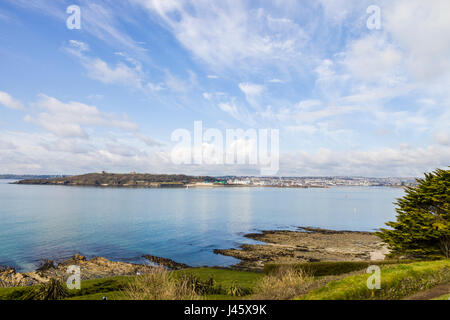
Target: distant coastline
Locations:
point(139, 180)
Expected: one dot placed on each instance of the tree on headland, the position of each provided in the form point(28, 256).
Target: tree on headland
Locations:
point(422, 229)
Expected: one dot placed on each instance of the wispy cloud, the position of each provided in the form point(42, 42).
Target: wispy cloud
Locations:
point(8, 101)
point(70, 119)
point(252, 92)
point(345, 98)
point(103, 21)
point(228, 34)
point(98, 69)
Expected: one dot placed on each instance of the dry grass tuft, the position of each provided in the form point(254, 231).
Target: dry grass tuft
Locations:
point(284, 284)
point(159, 285)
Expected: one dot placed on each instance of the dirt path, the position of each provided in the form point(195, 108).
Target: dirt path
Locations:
point(432, 293)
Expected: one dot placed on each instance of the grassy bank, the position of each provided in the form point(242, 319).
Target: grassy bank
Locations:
point(320, 269)
point(444, 297)
point(397, 281)
point(280, 282)
point(227, 284)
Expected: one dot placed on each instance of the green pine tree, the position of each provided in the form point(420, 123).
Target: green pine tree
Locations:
point(422, 229)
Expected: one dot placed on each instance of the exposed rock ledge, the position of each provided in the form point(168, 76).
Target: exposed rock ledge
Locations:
point(173, 265)
point(307, 245)
point(90, 269)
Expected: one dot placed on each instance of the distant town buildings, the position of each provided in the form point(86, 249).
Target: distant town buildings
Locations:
point(318, 182)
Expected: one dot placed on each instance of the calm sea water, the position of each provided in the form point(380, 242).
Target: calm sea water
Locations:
point(185, 225)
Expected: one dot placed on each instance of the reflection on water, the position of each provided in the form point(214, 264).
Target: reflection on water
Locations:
point(182, 224)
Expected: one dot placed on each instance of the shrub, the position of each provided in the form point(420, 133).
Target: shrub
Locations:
point(422, 228)
point(236, 290)
point(52, 290)
point(199, 286)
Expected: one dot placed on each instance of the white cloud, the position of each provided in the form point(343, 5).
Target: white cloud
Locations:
point(79, 46)
point(421, 29)
point(175, 83)
point(8, 101)
point(409, 54)
point(325, 72)
point(70, 119)
point(231, 109)
point(228, 34)
point(390, 161)
point(237, 111)
point(305, 115)
point(155, 87)
point(443, 138)
point(393, 80)
point(207, 95)
point(43, 153)
point(251, 89)
point(339, 11)
point(373, 58)
point(129, 75)
point(120, 74)
point(252, 92)
point(102, 21)
point(5, 145)
point(46, 153)
point(98, 69)
point(148, 141)
point(275, 80)
point(307, 128)
point(307, 104)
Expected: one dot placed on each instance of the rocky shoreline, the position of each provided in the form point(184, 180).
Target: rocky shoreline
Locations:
point(94, 268)
point(306, 245)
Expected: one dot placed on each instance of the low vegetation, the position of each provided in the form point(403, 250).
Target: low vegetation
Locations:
point(320, 269)
point(206, 283)
point(283, 284)
point(53, 290)
point(444, 297)
point(161, 285)
point(397, 282)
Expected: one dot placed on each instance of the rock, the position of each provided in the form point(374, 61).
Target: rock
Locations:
point(98, 267)
point(314, 245)
point(46, 265)
point(173, 265)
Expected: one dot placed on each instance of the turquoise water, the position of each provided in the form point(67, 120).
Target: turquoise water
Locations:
point(185, 225)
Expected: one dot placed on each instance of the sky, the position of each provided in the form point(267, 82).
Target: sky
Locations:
point(347, 96)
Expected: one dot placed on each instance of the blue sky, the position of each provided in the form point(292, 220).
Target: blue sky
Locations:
point(346, 99)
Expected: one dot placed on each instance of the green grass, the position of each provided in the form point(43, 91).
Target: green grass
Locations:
point(397, 281)
point(89, 289)
point(444, 297)
point(12, 293)
point(319, 269)
point(112, 287)
point(224, 280)
point(110, 295)
point(224, 277)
